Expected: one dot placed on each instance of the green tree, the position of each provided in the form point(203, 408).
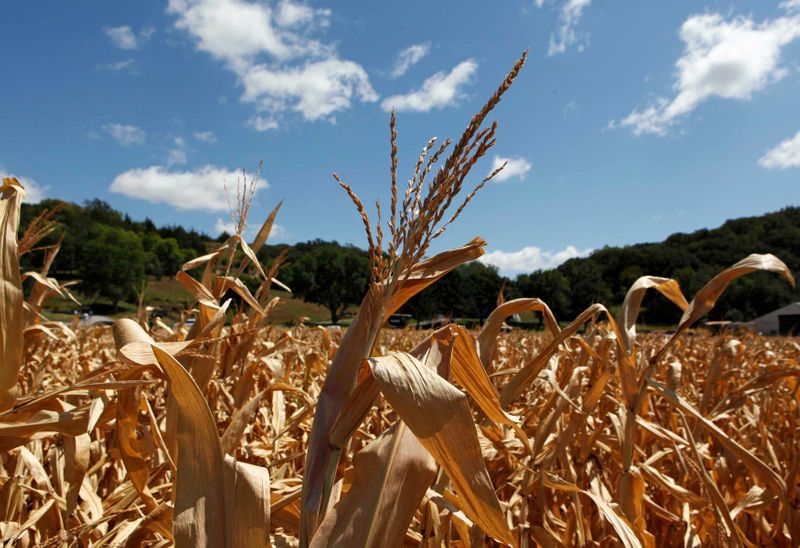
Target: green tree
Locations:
point(170, 256)
point(328, 274)
point(446, 297)
point(586, 284)
point(101, 212)
point(551, 286)
point(479, 286)
point(470, 291)
point(112, 263)
point(164, 257)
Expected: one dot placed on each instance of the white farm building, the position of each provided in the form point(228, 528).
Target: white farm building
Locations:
point(784, 321)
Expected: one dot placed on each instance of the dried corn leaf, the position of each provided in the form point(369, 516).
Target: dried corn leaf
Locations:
point(200, 510)
point(223, 283)
point(19, 431)
point(32, 520)
point(261, 236)
point(392, 475)
point(614, 516)
point(219, 501)
point(12, 318)
point(430, 270)
point(487, 339)
point(629, 312)
point(239, 421)
point(521, 379)
point(706, 298)
point(135, 345)
point(467, 370)
point(248, 499)
point(131, 448)
point(439, 416)
point(76, 457)
point(756, 465)
point(197, 289)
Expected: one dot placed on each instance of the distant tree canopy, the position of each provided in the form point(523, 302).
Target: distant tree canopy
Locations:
point(328, 274)
point(336, 277)
point(692, 259)
point(469, 291)
point(552, 286)
point(112, 254)
point(109, 252)
point(113, 263)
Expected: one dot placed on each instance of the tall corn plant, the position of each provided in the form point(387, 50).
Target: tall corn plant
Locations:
point(399, 270)
point(12, 318)
point(21, 320)
point(218, 501)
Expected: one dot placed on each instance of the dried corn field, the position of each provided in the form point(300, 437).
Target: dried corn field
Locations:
point(229, 431)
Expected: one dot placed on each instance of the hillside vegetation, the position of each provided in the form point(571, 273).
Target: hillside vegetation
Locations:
point(334, 276)
point(691, 259)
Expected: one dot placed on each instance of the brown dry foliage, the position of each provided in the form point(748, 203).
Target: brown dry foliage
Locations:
point(234, 432)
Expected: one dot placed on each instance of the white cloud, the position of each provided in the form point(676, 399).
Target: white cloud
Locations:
point(438, 91)
point(221, 225)
point(291, 14)
point(570, 16)
point(316, 90)
point(125, 135)
point(126, 65)
point(281, 67)
point(205, 136)
point(515, 167)
point(231, 30)
point(531, 258)
point(178, 153)
point(784, 155)
point(34, 192)
point(729, 58)
point(790, 5)
point(123, 37)
point(278, 232)
point(262, 123)
point(202, 188)
point(145, 34)
point(408, 57)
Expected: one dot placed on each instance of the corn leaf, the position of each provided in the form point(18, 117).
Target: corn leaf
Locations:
point(487, 339)
point(392, 475)
point(11, 299)
point(629, 312)
point(439, 416)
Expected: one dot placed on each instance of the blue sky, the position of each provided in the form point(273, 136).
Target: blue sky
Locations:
point(631, 120)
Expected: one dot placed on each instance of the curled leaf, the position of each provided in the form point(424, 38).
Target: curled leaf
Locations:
point(12, 318)
point(438, 414)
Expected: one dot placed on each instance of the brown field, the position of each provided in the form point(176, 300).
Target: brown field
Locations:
point(228, 431)
point(714, 459)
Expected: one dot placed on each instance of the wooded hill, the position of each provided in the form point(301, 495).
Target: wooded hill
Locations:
point(604, 276)
point(108, 251)
point(112, 254)
point(692, 259)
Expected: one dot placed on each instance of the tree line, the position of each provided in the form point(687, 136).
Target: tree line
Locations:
point(471, 291)
point(112, 255)
point(692, 259)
